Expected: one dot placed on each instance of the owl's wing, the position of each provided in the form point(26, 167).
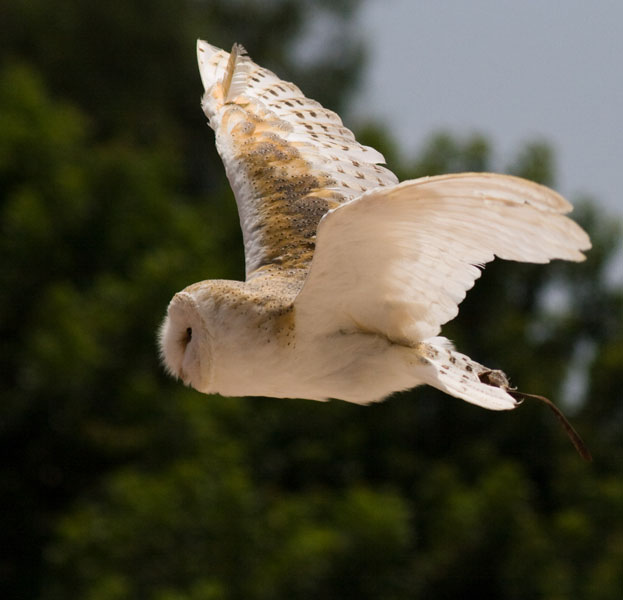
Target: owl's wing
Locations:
point(399, 260)
point(288, 159)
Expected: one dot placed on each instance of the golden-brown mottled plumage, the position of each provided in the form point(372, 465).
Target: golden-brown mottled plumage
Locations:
point(289, 159)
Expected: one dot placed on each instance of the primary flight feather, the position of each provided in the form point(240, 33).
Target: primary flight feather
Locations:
point(349, 274)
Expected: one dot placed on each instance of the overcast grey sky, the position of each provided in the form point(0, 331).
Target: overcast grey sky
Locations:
point(512, 70)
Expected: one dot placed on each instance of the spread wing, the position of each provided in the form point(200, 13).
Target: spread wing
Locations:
point(399, 260)
point(288, 159)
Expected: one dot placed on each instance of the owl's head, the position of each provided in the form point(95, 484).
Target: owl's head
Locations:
point(185, 345)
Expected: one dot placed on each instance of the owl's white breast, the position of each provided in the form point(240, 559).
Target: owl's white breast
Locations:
point(234, 339)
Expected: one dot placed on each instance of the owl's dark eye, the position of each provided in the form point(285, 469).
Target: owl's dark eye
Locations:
point(185, 339)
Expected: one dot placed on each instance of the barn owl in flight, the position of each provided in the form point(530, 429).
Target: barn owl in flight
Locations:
point(349, 273)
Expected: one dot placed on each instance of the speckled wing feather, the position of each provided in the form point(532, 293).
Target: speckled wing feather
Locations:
point(398, 261)
point(288, 159)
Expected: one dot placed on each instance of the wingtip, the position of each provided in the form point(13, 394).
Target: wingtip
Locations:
point(203, 48)
point(212, 61)
point(238, 50)
point(212, 68)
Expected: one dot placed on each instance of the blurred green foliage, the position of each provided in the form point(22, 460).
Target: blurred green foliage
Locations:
point(119, 483)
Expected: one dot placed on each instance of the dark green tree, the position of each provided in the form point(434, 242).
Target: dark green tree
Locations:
point(420, 496)
point(112, 199)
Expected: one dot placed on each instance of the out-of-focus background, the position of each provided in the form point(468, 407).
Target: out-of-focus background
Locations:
point(514, 70)
point(117, 482)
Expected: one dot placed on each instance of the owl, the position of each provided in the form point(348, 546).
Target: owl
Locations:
point(350, 274)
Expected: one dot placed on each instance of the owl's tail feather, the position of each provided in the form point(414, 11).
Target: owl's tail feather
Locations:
point(460, 376)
